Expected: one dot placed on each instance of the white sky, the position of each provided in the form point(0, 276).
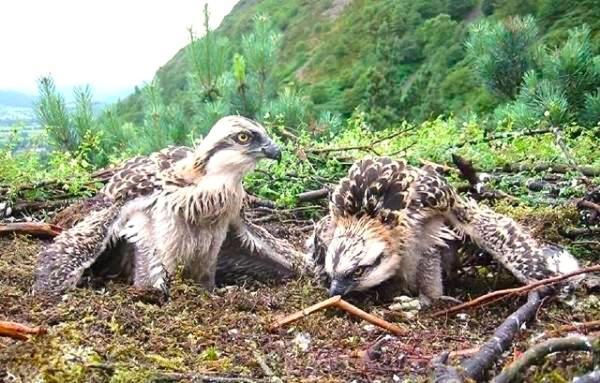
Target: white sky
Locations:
point(112, 45)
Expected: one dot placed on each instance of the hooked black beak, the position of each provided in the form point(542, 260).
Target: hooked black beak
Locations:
point(272, 151)
point(339, 288)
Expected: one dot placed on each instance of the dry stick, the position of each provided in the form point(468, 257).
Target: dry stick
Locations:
point(575, 327)
point(500, 294)
point(37, 229)
point(539, 351)
point(367, 148)
point(476, 366)
point(341, 304)
point(19, 331)
point(353, 310)
point(176, 376)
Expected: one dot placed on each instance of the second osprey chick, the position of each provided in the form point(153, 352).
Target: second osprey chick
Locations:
point(389, 221)
point(173, 206)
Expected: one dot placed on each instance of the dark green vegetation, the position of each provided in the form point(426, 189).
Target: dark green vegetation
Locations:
point(396, 59)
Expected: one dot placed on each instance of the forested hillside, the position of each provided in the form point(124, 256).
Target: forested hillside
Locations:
point(399, 59)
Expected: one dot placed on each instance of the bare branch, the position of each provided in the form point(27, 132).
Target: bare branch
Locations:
point(538, 352)
point(501, 294)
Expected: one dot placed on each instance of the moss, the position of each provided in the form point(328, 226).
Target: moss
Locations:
point(111, 335)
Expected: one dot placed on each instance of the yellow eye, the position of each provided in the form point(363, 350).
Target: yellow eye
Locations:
point(243, 138)
point(359, 272)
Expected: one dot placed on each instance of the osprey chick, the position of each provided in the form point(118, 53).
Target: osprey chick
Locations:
point(175, 205)
point(390, 221)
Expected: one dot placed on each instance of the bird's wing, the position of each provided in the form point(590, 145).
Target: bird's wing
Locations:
point(251, 251)
point(62, 263)
point(509, 243)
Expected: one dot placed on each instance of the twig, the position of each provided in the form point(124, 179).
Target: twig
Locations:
point(341, 304)
point(37, 229)
point(19, 331)
point(476, 366)
point(580, 231)
point(200, 378)
point(585, 326)
point(563, 147)
point(353, 310)
point(501, 294)
point(465, 352)
point(538, 352)
point(265, 367)
point(366, 148)
point(502, 136)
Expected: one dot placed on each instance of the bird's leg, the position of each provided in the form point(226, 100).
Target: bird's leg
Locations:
point(149, 270)
point(202, 271)
point(429, 277)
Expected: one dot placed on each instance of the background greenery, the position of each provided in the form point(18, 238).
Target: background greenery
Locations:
point(440, 76)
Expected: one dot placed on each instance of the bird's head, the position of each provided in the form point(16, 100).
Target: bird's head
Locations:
point(360, 256)
point(234, 146)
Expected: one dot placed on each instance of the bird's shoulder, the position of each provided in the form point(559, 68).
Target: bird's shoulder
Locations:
point(376, 187)
point(143, 175)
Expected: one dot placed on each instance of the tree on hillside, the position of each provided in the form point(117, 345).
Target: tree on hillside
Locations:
point(502, 52)
point(51, 111)
point(560, 84)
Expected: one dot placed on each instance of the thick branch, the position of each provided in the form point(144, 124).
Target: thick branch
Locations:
point(37, 229)
point(500, 294)
point(442, 373)
point(492, 350)
point(19, 331)
point(588, 171)
point(538, 352)
point(313, 195)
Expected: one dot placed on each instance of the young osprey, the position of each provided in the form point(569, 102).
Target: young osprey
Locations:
point(390, 221)
point(176, 205)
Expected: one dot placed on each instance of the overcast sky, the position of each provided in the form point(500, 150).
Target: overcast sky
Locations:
point(112, 45)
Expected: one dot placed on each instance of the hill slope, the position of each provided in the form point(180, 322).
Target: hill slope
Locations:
point(400, 57)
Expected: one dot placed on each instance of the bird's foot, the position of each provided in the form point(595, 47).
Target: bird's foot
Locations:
point(150, 295)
